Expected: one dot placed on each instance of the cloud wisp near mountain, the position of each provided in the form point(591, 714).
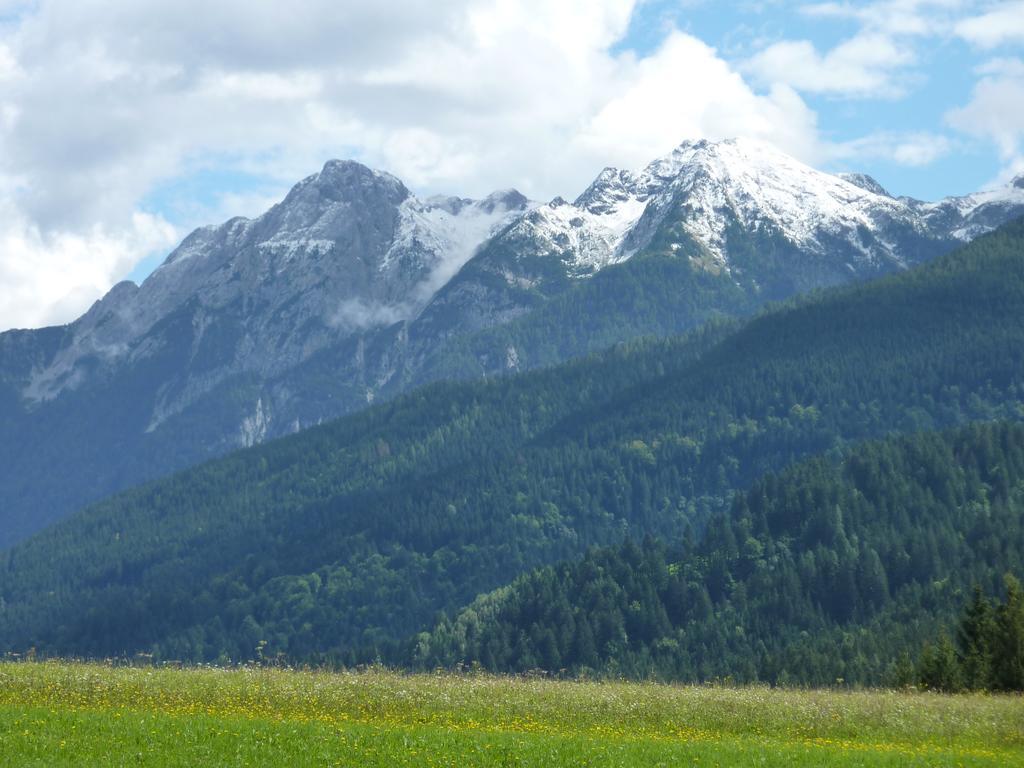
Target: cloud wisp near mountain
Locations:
point(353, 289)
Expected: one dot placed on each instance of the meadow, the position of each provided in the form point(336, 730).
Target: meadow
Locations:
point(71, 714)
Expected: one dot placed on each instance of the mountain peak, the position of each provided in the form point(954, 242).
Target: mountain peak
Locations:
point(116, 297)
point(719, 146)
point(509, 199)
point(344, 180)
point(865, 182)
point(610, 188)
point(344, 195)
point(725, 156)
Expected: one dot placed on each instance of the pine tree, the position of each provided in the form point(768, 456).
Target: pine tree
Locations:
point(902, 673)
point(976, 637)
point(1009, 659)
point(938, 669)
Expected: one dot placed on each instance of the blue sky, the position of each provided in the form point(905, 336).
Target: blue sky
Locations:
point(123, 125)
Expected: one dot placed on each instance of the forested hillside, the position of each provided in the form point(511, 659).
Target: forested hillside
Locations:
point(355, 534)
point(657, 293)
point(828, 571)
point(352, 291)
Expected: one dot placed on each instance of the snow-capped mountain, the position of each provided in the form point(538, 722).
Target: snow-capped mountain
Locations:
point(706, 190)
point(353, 288)
point(348, 248)
point(964, 218)
point(769, 224)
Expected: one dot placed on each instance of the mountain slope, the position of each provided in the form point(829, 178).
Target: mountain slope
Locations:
point(828, 571)
point(740, 211)
point(224, 344)
point(355, 533)
point(352, 289)
point(968, 216)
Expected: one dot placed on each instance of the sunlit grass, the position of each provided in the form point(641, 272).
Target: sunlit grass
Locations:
point(76, 714)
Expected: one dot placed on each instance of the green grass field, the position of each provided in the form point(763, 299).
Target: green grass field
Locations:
point(57, 714)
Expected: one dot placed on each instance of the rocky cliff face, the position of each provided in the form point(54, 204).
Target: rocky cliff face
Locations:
point(348, 249)
point(352, 289)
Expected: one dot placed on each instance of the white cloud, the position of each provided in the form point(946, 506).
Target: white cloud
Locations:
point(46, 278)
point(101, 101)
point(9, 69)
point(685, 90)
point(876, 62)
point(994, 111)
point(862, 66)
point(914, 18)
point(907, 149)
point(1004, 67)
point(353, 314)
point(1002, 25)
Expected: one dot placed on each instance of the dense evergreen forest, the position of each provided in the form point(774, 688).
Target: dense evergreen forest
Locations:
point(354, 535)
point(831, 570)
point(989, 650)
point(102, 442)
point(659, 292)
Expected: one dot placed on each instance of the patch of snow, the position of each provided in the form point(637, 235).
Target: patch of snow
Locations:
point(448, 232)
point(587, 237)
point(285, 248)
point(511, 358)
point(254, 427)
point(756, 184)
point(969, 210)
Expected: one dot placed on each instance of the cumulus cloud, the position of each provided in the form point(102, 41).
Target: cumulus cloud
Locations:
point(47, 277)
point(102, 101)
point(690, 92)
point(908, 149)
point(876, 62)
point(862, 66)
point(994, 111)
point(1003, 24)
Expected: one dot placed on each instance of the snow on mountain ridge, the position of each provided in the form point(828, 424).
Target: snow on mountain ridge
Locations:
point(452, 233)
point(759, 184)
point(347, 248)
point(967, 216)
point(351, 248)
point(619, 213)
point(587, 234)
point(430, 239)
point(864, 181)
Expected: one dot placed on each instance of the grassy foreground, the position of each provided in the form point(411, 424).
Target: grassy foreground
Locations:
point(57, 714)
